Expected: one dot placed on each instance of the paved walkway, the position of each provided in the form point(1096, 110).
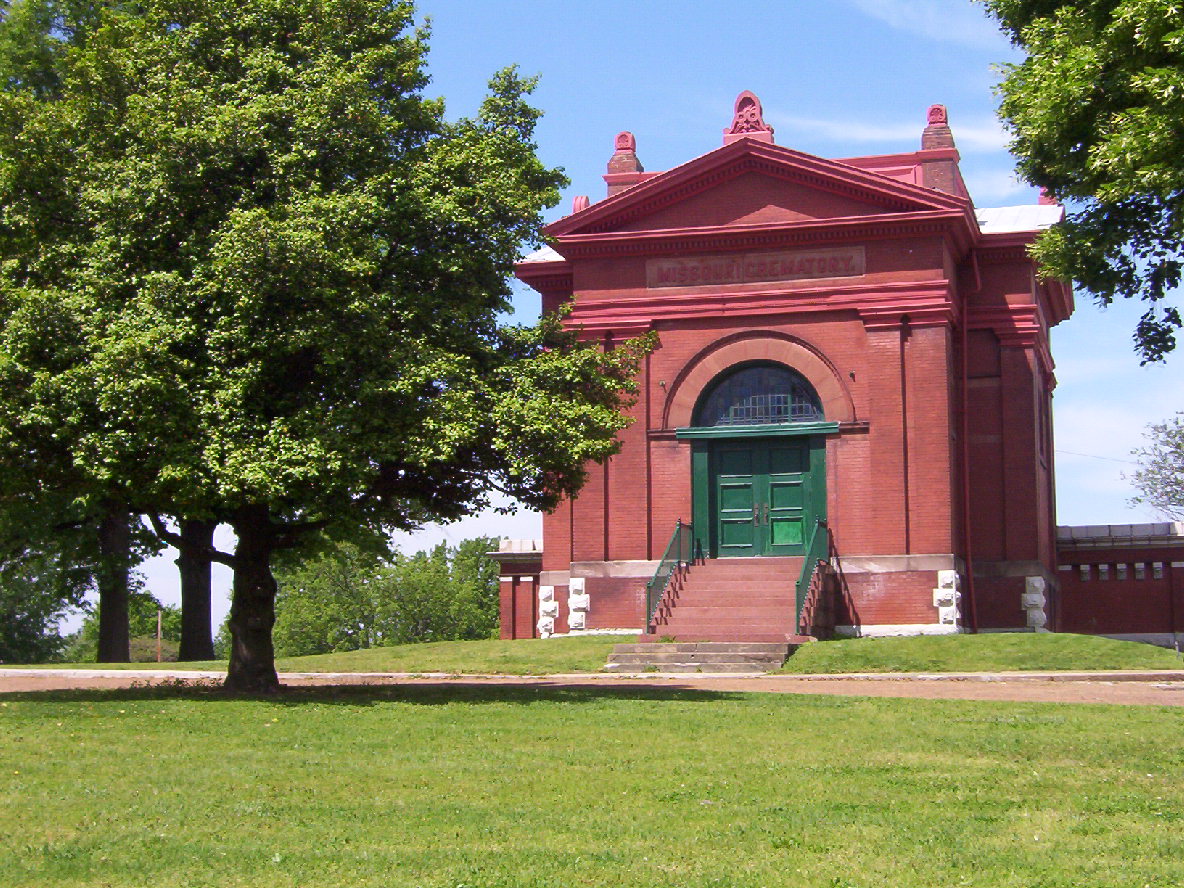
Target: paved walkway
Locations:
point(1159, 688)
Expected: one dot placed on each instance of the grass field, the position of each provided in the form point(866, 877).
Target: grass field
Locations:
point(949, 653)
point(989, 652)
point(493, 787)
point(530, 656)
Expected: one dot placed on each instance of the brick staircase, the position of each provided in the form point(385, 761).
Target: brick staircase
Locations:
point(731, 599)
point(732, 657)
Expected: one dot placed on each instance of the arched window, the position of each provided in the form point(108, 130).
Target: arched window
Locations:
point(758, 394)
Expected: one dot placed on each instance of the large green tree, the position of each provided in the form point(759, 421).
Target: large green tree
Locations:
point(1095, 111)
point(251, 274)
point(34, 35)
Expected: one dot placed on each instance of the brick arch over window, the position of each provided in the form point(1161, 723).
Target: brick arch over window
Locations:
point(837, 405)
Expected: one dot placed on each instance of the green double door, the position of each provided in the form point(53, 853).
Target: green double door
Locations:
point(762, 495)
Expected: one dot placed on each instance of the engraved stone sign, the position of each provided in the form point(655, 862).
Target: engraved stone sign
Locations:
point(750, 268)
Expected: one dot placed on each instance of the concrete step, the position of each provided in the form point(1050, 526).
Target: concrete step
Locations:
point(743, 657)
point(644, 659)
point(686, 668)
point(751, 657)
point(702, 647)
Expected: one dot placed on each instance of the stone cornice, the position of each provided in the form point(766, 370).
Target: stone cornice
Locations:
point(928, 302)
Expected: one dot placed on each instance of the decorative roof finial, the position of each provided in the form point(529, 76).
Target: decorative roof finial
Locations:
point(624, 159)
point(748, 121)
point(937, 134)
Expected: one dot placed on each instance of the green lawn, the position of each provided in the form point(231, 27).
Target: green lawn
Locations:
point(947, 653)
point(510, 788)
point(990, 652)
point(529, 656)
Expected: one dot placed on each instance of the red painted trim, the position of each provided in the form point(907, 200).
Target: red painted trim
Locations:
point(953, 224)
point(746, 155)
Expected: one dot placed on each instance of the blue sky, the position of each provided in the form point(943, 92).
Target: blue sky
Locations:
point(837, 78)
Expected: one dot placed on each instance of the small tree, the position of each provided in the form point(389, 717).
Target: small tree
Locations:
point(348, 598)
point(143, 608)
point(1160, 478)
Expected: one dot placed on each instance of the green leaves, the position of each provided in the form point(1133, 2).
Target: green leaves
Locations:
point(346, 599)
point(1095, 112)
point(244, 261)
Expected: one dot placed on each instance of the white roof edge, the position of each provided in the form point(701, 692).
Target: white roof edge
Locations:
point(1026, 217)
point(543, 254)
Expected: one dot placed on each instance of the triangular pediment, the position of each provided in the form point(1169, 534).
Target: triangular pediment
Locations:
point(754, 183)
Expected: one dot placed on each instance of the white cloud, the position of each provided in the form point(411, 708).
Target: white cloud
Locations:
point(947, 21)
point(971, 137)
point(997, 188)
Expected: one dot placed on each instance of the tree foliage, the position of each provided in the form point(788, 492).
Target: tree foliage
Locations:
point(250, 273)
point(143, 608)
point(45, 573)
point(346, 598)
point(1160, 477)
point(1095, 113)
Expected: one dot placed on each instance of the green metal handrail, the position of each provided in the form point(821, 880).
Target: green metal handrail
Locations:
point(679, 553)
point(818, 550)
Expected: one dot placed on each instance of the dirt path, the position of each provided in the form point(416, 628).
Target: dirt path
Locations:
point(1160, 689)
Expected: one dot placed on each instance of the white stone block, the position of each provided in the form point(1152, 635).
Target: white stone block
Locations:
point(1036, 618)
point(1032, 600)
point(549, 609)
point(546, 593)
point(1035, 584)
point(944, 598)
point(546, 627)
point(575, 586)
point(947, 616)
point(578, 602)
point(948, 579)
point(575, 620)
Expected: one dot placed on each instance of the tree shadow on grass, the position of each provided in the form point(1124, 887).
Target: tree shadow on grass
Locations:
point(433, 693)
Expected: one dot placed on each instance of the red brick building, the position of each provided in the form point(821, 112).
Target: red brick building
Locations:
point(846, 424)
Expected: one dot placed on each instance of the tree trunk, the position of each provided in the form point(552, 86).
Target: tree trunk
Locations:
point(115, 543)
point(252, 606)
point(197, 638)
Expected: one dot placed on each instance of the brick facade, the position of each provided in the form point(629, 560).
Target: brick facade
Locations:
point(917, 320)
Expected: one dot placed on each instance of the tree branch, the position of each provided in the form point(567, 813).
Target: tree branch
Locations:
point(179, 542)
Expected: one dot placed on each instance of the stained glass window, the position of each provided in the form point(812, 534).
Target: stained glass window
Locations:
point(759, 394)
